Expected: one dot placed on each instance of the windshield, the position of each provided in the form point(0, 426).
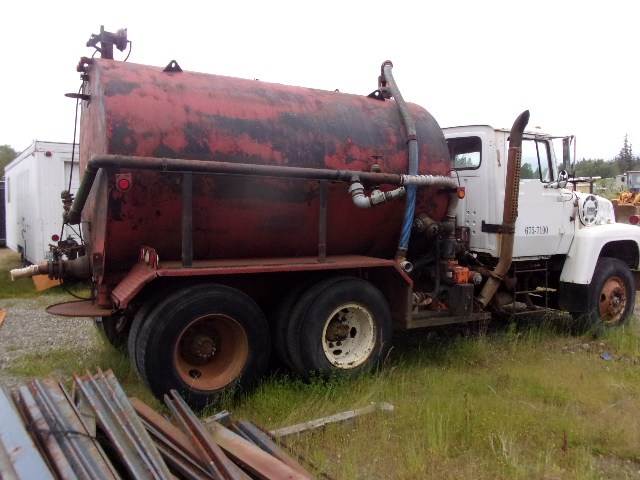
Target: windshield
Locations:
point(536, 160)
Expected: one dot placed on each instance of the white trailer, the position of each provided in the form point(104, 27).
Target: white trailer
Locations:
point(33, 183)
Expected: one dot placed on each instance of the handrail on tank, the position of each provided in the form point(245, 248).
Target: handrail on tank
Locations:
point(179, 165)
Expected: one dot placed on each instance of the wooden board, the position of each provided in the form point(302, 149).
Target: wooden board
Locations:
point(43, 282)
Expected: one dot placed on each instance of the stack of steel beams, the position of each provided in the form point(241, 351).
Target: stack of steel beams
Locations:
point(97, 432)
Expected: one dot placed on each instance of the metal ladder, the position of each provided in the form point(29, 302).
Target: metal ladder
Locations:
point(538, 291)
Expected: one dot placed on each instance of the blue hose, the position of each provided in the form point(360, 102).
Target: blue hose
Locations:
point(410, 205)
point(407, 222)
point(387, 82)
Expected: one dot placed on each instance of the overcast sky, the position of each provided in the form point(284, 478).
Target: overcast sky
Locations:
point(573, 64)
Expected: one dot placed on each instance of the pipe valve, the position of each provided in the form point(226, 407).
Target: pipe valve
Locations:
point(361, 200)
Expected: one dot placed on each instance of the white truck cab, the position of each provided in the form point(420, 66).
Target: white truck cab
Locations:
point(569, 236)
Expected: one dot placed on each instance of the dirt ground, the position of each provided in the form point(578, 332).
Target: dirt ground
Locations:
point(27, 328)
point(500, 406)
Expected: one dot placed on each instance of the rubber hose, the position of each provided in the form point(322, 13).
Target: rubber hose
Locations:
point(410, 127)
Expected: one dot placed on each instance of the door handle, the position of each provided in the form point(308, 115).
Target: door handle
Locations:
point(564, 197)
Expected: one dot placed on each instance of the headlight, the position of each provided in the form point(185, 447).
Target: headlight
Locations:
point(589, 210)
point(595, 210)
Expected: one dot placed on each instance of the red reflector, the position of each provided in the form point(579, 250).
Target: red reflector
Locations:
point(634, 219)
point(461, 193)
point(55, 238)
point(124, 184)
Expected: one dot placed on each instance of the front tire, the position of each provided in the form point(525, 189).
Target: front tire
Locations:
point(204, 341)
point(611, 297)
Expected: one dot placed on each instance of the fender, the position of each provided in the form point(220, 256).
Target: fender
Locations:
point(587, 247)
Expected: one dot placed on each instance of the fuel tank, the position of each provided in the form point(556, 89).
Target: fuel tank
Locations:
point(147, 111)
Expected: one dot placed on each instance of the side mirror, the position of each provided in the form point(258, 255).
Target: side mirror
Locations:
point(566, 153)
point(563, 178)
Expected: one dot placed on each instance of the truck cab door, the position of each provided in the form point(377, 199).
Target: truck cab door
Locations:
point(473, 153)
point(544, 225)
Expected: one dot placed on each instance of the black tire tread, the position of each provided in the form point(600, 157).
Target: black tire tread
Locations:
point(138, 319)
point(107, 328)
point(294, 326)
point(590, 320)
point(150, 337)
point(355, 289)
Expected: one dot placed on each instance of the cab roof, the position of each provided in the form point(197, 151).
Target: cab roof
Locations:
point(537, 133)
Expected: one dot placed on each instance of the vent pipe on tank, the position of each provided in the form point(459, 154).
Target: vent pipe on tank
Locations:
point(388, 84)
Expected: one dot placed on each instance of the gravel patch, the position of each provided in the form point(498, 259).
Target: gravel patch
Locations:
point(28, 329)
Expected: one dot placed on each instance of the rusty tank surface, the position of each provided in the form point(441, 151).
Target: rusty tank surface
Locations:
point(227, 222)
point(154, 112)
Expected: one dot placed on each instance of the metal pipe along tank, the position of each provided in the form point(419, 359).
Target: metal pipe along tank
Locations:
point(147, 122)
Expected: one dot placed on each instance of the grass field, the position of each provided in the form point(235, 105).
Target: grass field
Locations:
point(517, 403)
point(8, 289)
point(23, 288)
point(520, 401)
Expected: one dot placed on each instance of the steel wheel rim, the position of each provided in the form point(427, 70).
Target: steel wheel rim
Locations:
point(612, 300)
point(349, 336)
point(211, 352)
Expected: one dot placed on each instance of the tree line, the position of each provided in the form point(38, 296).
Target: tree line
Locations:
point(6, 155)
point(598, 167)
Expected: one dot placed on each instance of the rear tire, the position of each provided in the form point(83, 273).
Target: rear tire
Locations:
point(280, 323)
point(149, 304)
point(292, 346)
point(611, 297)
point(345, 329)
point(205, 341)
point(115, 329)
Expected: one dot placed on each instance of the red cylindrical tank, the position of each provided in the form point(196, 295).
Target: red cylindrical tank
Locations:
point(142, 110)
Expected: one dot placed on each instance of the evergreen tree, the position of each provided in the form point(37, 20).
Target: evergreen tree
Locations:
point(6, 155)
point(625, 158)
point(527, 172)
point(596, 168)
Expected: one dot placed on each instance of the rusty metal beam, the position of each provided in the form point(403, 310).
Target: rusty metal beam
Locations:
point(218, 463)
point(266, 443)
point(336, 418)
point(187, 219)
point(322, 222)
point(71, 449)
point(118, 420)
point(251, 457)
point(214, 167)
point(19, 457)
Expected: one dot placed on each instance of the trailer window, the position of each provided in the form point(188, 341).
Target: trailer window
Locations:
point(466, 152)
point(536, 161)
point(633, 180)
